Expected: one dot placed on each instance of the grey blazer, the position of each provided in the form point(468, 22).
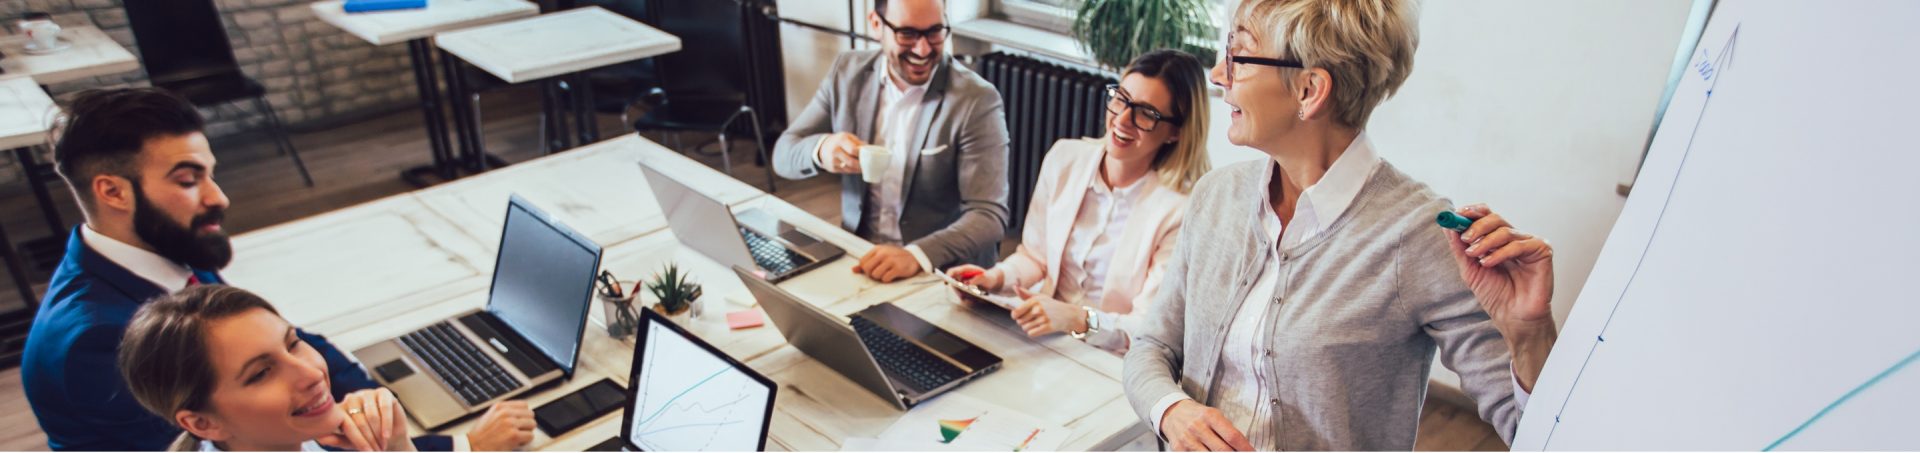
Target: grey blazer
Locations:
point(1357, 317)
point(955, 205)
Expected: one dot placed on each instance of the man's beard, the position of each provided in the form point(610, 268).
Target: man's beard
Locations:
point(182, 244)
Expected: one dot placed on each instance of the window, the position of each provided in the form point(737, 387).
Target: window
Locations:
point(1058, 15)
point(1051, 15)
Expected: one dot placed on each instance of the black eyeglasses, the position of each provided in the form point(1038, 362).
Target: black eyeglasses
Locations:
point(1233, 62)
point(1142, 115)
point(935, 35)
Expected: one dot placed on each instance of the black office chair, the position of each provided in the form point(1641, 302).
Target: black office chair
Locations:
point(185, 50)
point(719, 80)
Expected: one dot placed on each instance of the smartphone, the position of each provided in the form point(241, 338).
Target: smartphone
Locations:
point(1004, 302)
point(578, 408)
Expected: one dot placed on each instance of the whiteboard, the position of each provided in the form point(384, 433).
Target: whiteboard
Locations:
point(1761, 288)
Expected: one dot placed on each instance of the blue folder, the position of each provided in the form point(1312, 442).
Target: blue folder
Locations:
point(361, 6)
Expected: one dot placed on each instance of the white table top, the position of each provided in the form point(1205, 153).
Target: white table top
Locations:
point(390, 27)
point(371, 272)
point(93, 54)
point(25, 112)
point(558, 43)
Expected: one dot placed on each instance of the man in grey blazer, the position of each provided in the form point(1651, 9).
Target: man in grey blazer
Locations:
point(942, 199)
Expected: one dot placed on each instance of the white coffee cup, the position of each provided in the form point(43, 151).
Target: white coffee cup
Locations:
point(43, 33)
point(874, 160)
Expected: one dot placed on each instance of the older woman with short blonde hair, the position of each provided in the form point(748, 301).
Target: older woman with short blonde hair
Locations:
point(1311, 290)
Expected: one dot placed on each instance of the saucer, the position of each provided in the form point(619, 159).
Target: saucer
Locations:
point(58, 45)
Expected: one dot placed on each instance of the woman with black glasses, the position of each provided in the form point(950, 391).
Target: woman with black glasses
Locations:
point(1106, 211)
point(1311, 290)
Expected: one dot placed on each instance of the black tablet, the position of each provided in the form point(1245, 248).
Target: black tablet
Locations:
point(686, 395)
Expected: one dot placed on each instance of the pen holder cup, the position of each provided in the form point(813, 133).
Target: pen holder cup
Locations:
point(622, 319)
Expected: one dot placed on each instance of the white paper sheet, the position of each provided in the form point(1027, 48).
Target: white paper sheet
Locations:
point(959, 422)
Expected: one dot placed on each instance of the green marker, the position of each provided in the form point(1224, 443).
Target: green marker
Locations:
point(1452, 221)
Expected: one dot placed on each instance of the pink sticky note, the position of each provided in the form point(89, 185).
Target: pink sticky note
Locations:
point(744, 319)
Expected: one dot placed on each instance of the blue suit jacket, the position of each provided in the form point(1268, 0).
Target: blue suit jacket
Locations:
point(69, 367)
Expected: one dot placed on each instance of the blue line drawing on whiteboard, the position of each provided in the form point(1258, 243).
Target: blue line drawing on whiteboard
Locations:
point(1843, 399)
point(1709, 67)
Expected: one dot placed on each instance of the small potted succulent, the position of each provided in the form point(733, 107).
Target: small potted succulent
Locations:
point(676, 296)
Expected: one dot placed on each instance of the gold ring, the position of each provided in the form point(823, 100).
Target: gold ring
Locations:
point(353, 411)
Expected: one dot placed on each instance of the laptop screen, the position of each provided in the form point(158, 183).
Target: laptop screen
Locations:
point(543, 281)
point(686, 395)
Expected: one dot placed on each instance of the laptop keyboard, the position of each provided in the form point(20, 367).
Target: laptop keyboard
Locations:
point(465, 368)
point(775, 258)
point(922, 370)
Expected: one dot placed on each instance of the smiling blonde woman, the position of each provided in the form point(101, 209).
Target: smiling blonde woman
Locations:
point(1311, 290)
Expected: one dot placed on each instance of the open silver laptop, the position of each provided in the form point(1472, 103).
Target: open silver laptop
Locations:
point(892, 353)
point(751, 239)
point(528, 335)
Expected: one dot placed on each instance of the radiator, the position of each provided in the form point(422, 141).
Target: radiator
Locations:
point(1045, 102)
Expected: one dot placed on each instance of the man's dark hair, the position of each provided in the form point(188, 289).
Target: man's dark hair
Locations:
point(101, 132)
point(880, 7)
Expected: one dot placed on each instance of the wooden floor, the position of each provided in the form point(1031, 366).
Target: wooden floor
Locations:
point(359, 162)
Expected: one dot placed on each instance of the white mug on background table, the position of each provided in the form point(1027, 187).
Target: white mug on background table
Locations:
point(41, 31)
point(873, 162)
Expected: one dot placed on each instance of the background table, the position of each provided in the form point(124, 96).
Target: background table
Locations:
point(25, 114)
point(375, 271)
point(416, 27)
point(93, 54)
point(558, 44)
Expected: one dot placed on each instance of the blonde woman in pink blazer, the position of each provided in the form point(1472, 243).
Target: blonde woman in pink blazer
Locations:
point(1106, 211)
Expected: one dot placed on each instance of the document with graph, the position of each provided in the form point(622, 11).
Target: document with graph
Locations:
point(958, 422)
point(686, 398)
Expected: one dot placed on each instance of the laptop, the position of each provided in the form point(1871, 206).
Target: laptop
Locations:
point(528, 335)
point(890, 352)
point(685, 395)
point(757, 240)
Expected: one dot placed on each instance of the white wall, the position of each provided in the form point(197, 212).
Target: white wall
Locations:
point(808, 53)
point(1538, 109)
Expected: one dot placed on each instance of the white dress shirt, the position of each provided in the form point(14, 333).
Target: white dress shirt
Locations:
point(894, 127)
point(1083, 273)
point(152, 267)
point(1241, 391)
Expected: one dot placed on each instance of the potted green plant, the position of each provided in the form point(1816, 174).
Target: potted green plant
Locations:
point(1115, 31)
point(676, 296)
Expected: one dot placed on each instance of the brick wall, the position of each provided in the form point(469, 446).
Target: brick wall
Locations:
point(314, 73)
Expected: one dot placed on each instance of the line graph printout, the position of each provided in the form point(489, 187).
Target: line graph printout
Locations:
point(1758, 291)
point(687, 399)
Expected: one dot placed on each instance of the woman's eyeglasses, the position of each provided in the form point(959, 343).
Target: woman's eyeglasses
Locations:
point(935, 35)
point(1234, 62)
point(1142, 115)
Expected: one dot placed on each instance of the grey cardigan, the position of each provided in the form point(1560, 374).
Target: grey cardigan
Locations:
point(1361, 309)
point(955, 205)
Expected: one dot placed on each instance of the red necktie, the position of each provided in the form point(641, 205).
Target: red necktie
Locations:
point(193, 280)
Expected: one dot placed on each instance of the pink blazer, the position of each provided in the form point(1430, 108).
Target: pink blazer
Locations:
point(1145, 243)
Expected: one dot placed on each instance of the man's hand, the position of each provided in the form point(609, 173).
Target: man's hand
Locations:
point(886, 263)
point(840, 153)
point(1044, 315)
point(1189, 426)
point(507, 426)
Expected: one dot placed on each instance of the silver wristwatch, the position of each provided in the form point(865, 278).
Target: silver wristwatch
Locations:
point(1093, 324)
